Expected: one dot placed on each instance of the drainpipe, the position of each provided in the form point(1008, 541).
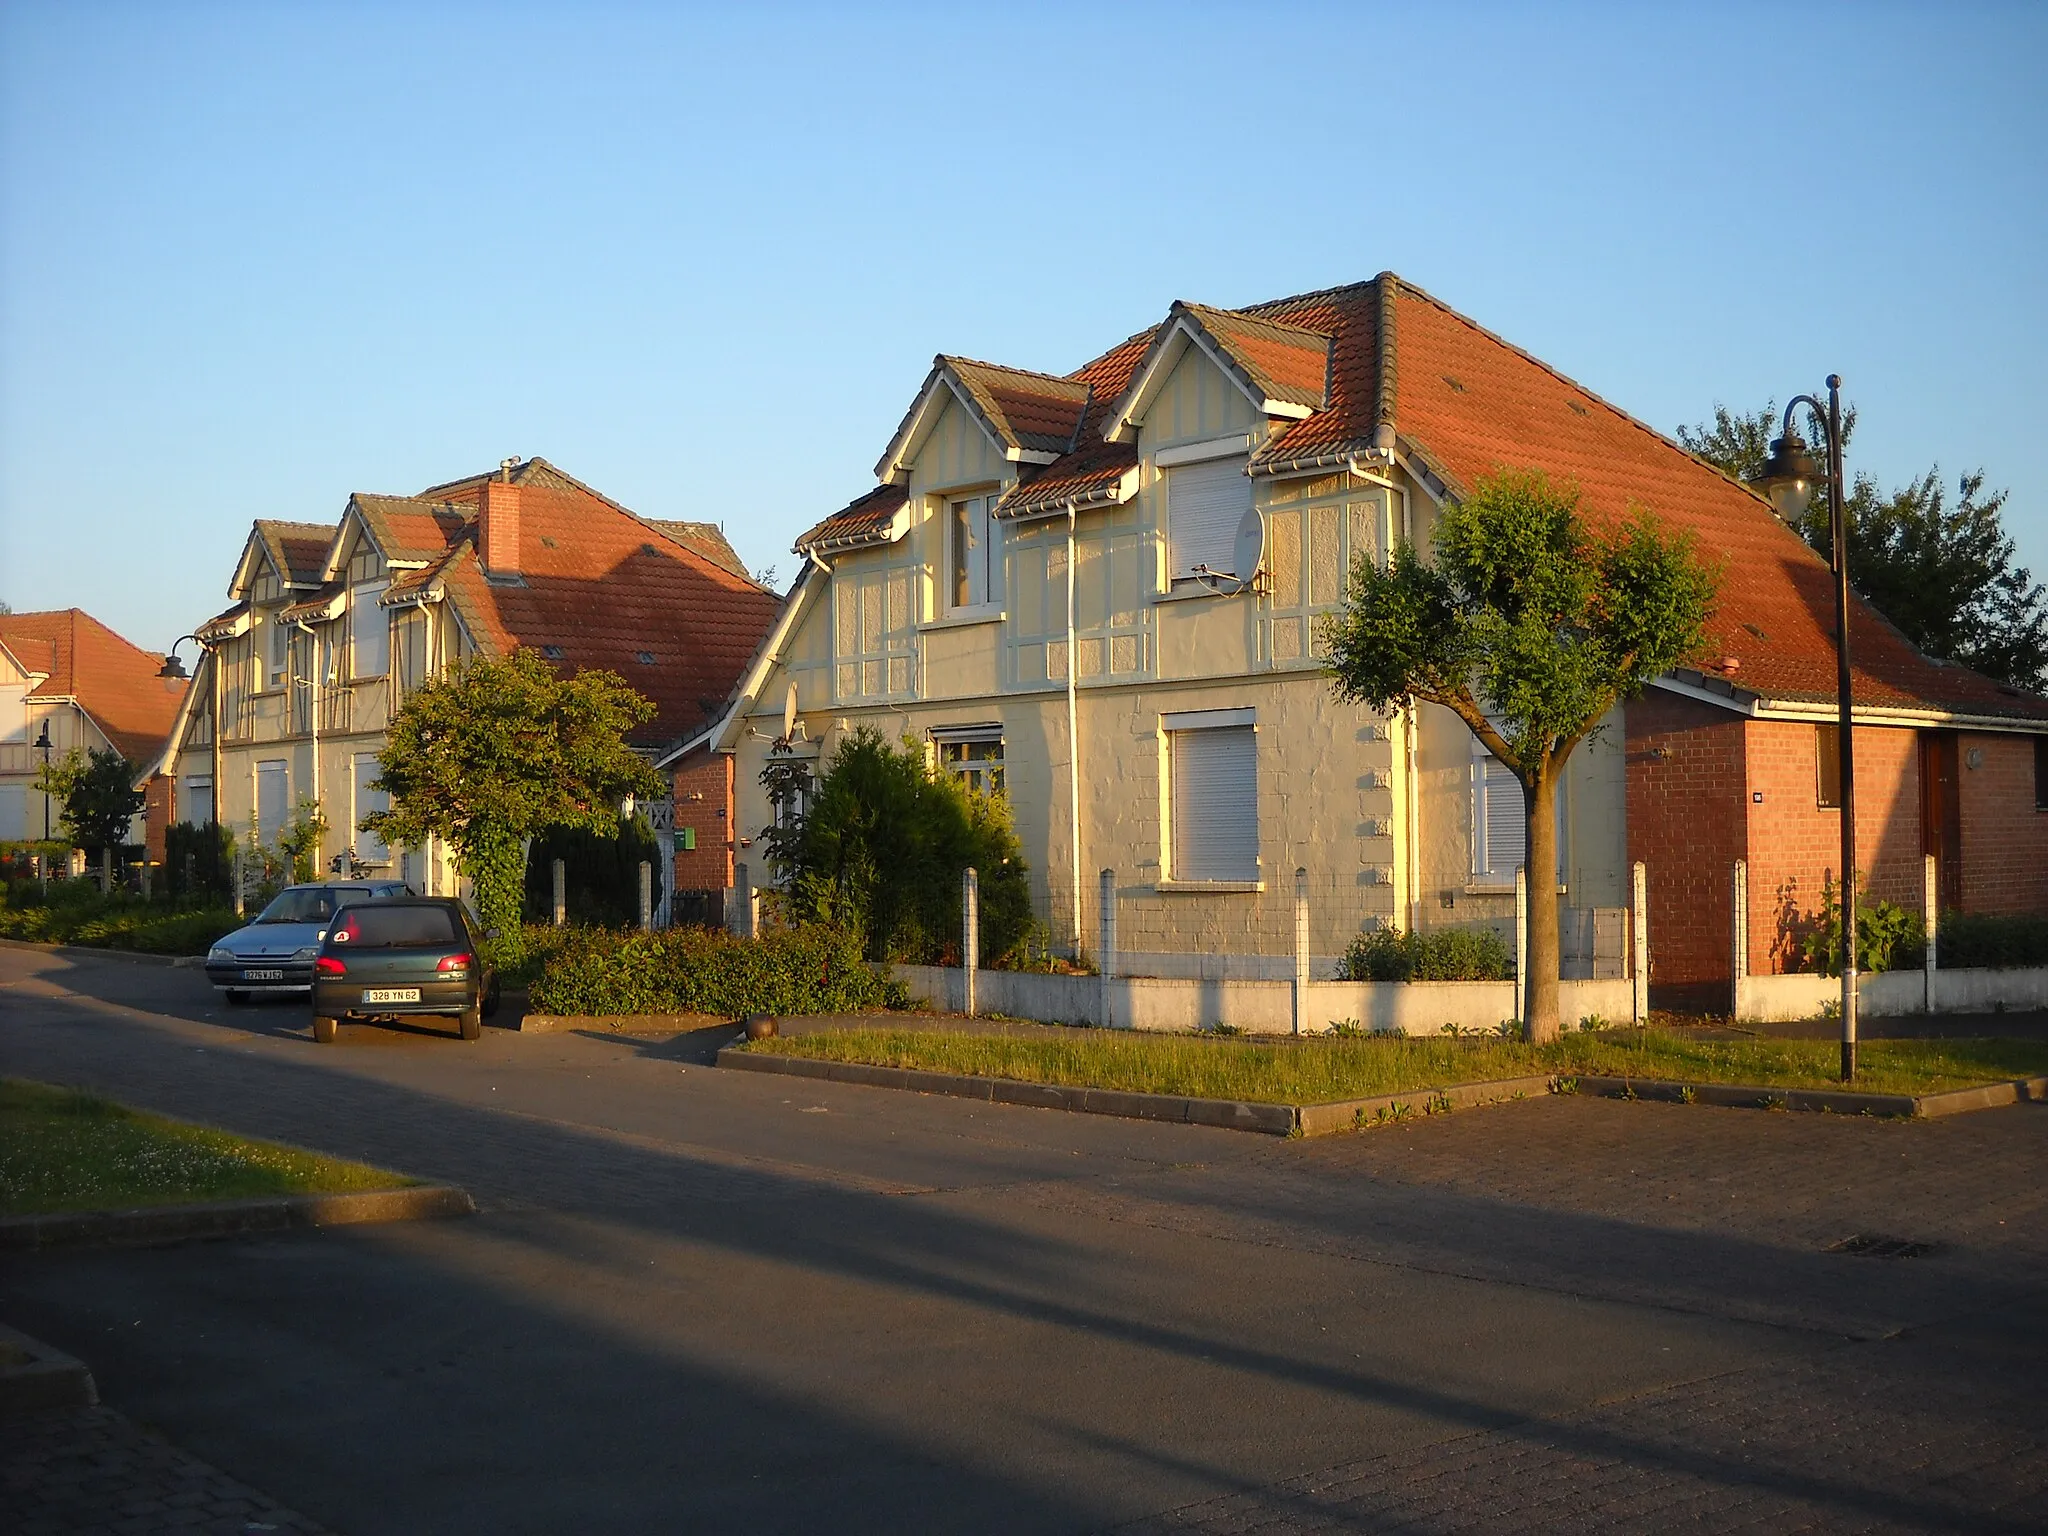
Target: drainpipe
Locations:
point(1073, 737)
point(313, 724)
point(219, 788)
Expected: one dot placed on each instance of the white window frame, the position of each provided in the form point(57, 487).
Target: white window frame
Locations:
point(282, 769)
point(196, 784)
point(1491, 777)
point(369, 848)
point(1186, 868)
point(277, 651)
point(979, 566)
point(956, 746)
point(1204, 542)
point(365, 616)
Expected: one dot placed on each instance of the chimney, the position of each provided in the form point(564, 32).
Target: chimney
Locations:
point(497, 519)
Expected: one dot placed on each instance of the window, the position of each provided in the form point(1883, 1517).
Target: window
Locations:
point(196, 805)
point(1500, 823)
point(873, 634)
point(974, 576)
point(1213, 801)
point(410, 633)
point(1827, 759)
point(273, 799)
point(369, 632)
point(975, 754)
point(1205, 503)
point(279, 649)
point(14, 811)
point(368, 845)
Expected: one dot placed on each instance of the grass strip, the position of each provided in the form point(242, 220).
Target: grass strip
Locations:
point(1318, 1071)
point(62, 1149)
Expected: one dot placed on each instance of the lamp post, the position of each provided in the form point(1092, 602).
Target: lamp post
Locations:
point(43, 744)
point(1788, 478)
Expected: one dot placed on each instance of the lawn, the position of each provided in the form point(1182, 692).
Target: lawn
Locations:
point(1318, 1071)
point(62, 1149)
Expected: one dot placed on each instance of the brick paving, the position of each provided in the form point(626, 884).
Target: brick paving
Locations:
point(91, 1472)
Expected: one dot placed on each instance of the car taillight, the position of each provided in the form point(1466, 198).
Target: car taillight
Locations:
point(327, 965)
point(456, 963)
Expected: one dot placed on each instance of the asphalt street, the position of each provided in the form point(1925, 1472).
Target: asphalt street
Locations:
point(696, 1299)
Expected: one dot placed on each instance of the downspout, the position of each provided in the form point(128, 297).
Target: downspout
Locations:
point(1073, 737)
point(313, 725)
point(219, 788)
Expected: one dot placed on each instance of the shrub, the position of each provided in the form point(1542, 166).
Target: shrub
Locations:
point(1886, 935)
point(199, 860)
point(1982, 939)
point(1447, 954)
point(77, 914)
point(601, 873)
point(812, 969)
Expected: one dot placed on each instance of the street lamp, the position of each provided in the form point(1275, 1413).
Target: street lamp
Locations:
point(1788, 478)
point(173, 668)
point(43, 744)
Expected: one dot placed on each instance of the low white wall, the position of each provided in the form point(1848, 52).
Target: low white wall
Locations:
point(1257, 1007)
point(1774, 999)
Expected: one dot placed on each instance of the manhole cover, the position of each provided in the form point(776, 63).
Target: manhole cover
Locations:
point(1871, 1245)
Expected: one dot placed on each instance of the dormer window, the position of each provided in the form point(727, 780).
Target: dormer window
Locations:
point(369, 632)
point(974, 575)
point(1206, 501)
point(278, 650)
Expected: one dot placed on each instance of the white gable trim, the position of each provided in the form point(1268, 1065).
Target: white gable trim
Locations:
point(1157, 368)
point(923, 417)
point(351, 514)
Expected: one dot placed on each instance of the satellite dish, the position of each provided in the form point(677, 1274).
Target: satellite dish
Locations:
point(789, 713)
point(1249, 553)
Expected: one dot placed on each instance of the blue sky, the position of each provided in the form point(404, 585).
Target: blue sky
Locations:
point(253, 258)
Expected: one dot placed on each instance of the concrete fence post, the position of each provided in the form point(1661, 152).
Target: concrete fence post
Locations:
point(1106, 920)
point(1639, 936)
point(1522, 942)
point(970, 933)
point(646, 897)
point(107, 870)
point(1301, 951)
point(742, 915)
point(1930, 898)
point(561, 892)
point(1738, 945)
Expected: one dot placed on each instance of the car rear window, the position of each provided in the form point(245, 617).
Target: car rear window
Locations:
point(309, 903)
point(383, 927)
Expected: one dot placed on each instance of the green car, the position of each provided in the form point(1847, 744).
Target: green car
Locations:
point(401, 956)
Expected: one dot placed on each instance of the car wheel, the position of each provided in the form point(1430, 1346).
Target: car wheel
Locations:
point(236, 999)
point(325, 1028)
point(472, 1023)
point(491, 1000)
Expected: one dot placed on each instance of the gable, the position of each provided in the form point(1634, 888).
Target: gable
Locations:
point(1195, 399)
point(956, 451)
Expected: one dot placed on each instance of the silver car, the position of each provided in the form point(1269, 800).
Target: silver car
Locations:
point(275, 952)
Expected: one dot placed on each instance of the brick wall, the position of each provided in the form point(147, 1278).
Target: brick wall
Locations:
point(1795, 844)
point(704, 803)
point(1687, 798)
point(158, 812)
point(2005, 840)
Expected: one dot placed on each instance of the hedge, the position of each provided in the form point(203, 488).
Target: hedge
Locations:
point(698, 970)
point(1447, 954)
point(1977, 939)
point(118, 922)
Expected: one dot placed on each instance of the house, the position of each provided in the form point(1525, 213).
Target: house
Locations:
point(1099, 591)
point(332, 625)
point(67, 675)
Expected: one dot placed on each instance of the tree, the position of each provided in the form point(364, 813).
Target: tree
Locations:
point(878, 842)
point(1530, 625)
point(99, 795)
point(494, 751)
point(1943, 573)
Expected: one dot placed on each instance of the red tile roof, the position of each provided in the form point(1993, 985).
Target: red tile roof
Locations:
point(1026, 410)
point(114, 682)
point(864, 520)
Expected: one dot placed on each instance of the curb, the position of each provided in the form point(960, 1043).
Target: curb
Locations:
point(619, 1023)
point(85, 951)
point(230, 1218)
point(1838, 1101)
point(1359, 1114)
point(35, 1378)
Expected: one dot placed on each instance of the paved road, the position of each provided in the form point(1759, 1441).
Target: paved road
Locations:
point(712, 1300)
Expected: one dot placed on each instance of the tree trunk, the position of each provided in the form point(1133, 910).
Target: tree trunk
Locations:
point(1539, 987)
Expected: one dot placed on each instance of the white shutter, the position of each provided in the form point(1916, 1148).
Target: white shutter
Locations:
point(14, 811)
point(197, 804)
point(1215, 805)
point(1500, 827)
point(369, 632)
point(1205, 503)
point(368, 845)
point(273, 800)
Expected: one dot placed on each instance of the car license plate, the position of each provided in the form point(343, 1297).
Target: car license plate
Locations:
point(391, 994)
point(263, 975)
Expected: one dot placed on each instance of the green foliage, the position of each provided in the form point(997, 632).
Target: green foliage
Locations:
point(494, 751)
point(697, 970)
point(1447, 954)
point(298, 842)
point(1885, 933)
point(199, 860)
point(1942, 572)
point(99, 796)
point(601, 874)
point(881, 849)
point(77, 913)
point(1983, 939)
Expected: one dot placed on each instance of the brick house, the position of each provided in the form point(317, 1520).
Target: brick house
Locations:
point(1099, 590)
point(332, 625)
point(92, 690)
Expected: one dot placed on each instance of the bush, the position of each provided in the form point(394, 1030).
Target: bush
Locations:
point(1980, 939)
point(199, 860)
point(78, 914)
point(699, 970)
point(1886, 935)
point(1447, 954)
point(601, 877)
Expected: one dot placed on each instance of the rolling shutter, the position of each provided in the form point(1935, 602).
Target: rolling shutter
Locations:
point(368, 845)
point(1215, 803)
point(1205, 503)
point(1500, 828)
point(273, 800)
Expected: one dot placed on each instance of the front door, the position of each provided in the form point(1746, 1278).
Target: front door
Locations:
point(1941, 817)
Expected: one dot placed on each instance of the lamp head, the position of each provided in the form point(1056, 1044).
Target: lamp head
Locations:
point(1789, 476)
point(43, 742)
point(172, 668)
